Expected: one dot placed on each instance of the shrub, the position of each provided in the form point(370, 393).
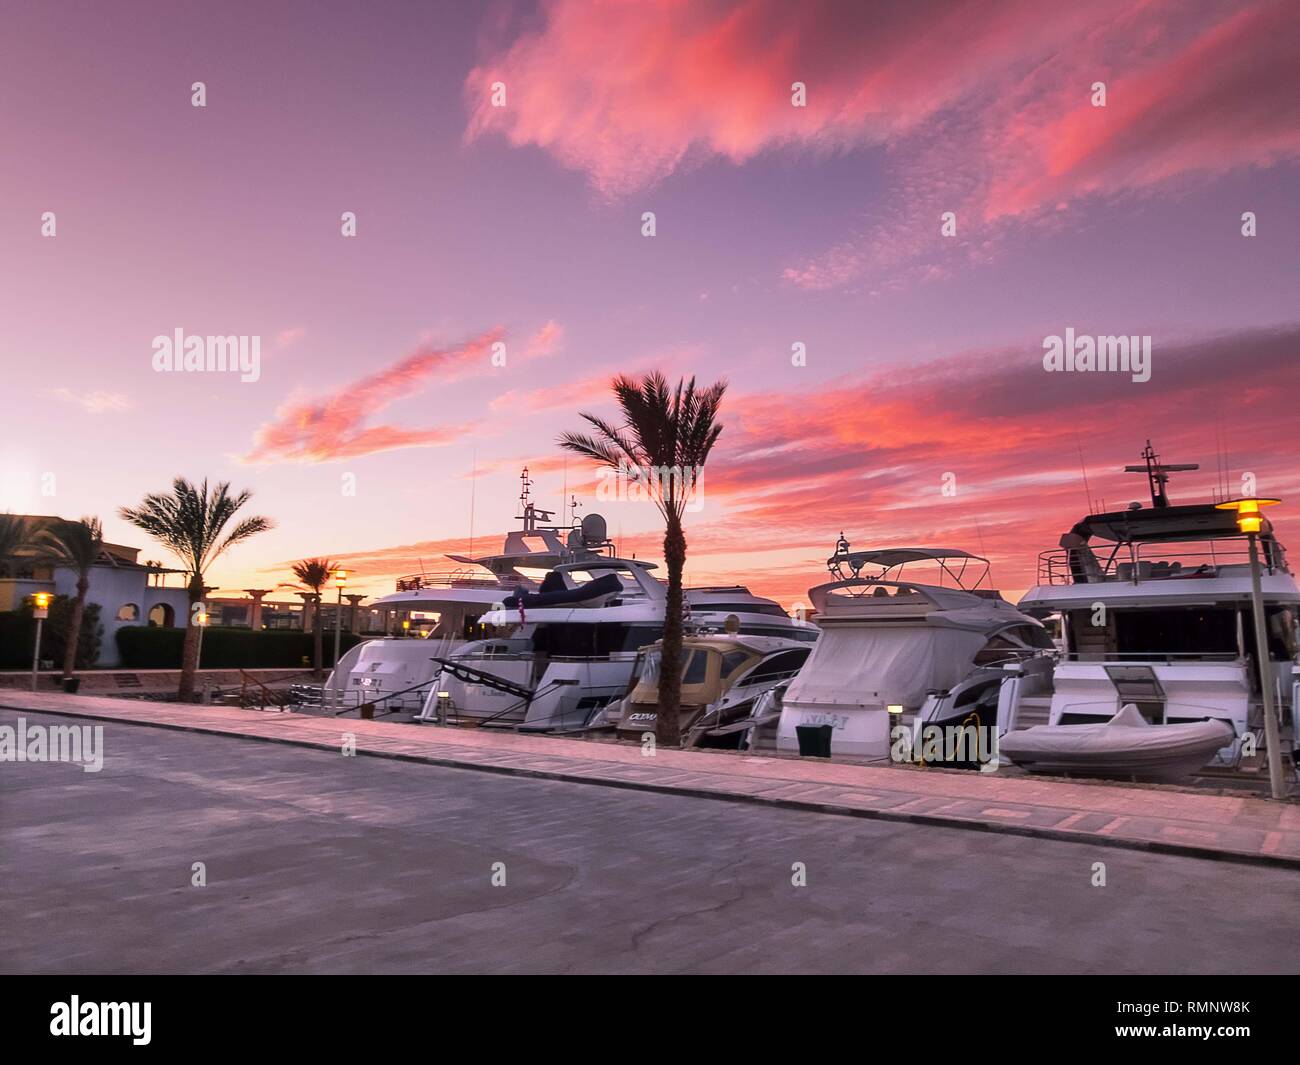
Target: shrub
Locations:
point(142, 647)
point(18, 635)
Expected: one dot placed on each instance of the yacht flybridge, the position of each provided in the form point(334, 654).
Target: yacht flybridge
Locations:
point(1155, 604)
point(444, 607)
point(896, 650)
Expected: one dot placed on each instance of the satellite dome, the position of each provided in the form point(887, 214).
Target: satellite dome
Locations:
point(594, 530)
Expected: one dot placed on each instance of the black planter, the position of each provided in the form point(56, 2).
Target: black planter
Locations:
point(71, 684)
point(814, 740)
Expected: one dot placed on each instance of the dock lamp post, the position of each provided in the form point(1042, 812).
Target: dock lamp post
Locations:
point(201, 620)
point(1250, 521)
point(40, 611)
point(341, 580)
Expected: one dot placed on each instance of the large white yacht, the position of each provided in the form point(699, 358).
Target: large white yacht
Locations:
point(558, 656)
point(897, 652)
point(434, 612)
point(1155, 609)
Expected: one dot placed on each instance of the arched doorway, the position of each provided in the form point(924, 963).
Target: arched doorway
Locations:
point(162, 616)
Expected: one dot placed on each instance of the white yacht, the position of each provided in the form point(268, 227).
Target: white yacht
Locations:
point(895, 651)
point(555, 658)
point(1155, 605)
point(434, 612)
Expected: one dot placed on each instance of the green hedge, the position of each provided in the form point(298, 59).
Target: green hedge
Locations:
point(144, 647)
point(18, 635)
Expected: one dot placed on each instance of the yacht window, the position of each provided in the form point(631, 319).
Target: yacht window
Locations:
point(771, 609)
point(1035, 636)
point(976, 693)
point(576, 640)
point(998, 649)
point(1186, 631)
point(733, 660)
point(697, 668)
point(785, 664)
point(1282, 632)
point(647, 671)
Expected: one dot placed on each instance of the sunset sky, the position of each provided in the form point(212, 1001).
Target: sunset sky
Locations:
point(775, 225)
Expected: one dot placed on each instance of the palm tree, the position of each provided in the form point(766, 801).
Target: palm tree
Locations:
point(190, 522)
point(74, 545)
point(17, 534)
point(663, 443)
point(315, 574)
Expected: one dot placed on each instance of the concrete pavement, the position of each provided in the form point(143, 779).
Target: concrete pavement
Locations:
point(315, 862)
point(1162, 819)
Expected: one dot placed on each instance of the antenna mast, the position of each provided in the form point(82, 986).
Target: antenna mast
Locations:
point(1158, 474)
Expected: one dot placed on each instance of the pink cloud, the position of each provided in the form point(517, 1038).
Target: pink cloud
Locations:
point(1230, 99)
point(93, 402)
point(546, 341)
point(983, 104)
point(333, 427)
point(711, 79)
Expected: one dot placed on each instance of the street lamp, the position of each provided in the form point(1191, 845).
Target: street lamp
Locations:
point(341, 581)
point(201, 620)
point(40, 611)
point(1250, 521)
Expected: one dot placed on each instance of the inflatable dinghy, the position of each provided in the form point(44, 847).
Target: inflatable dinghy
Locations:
point(1126, 746)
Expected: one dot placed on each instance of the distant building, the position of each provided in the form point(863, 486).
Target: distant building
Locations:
point(128, 592)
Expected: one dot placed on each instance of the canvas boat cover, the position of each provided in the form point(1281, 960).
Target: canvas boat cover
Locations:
point(854, 666)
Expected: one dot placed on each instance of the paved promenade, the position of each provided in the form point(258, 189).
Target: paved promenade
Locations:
point(1161, 819)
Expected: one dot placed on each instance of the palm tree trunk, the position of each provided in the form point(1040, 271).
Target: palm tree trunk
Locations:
point(74, 627)
point(190, 652)
point(668, 722)
point(319, 653)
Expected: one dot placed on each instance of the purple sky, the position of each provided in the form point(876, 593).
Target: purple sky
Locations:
point(775, 225)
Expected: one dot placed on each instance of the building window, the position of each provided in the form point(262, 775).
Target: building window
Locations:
point(161, 616)
point(128, 612)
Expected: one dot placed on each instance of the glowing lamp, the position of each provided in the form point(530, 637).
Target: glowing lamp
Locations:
point(894, 708)
point(341, 577)
point(1249, 519)
point(42, 600)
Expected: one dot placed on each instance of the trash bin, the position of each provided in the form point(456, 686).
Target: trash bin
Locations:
point(814, 740)
point(71, 684)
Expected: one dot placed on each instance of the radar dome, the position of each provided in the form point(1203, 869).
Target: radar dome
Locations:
point(594, 530)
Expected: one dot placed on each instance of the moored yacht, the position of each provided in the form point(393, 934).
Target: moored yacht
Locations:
point(898, 652)
point(1155, 606)
point(438, 611)
point(556, 657)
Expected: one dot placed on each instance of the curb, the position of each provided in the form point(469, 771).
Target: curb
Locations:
point(1183, 850)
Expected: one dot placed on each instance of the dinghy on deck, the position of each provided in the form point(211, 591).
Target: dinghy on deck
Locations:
point(1127, 746)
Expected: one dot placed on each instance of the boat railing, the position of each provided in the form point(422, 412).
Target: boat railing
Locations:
point(1135, 563)
point(456, 578)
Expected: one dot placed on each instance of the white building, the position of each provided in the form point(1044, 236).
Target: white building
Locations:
point(128, 592)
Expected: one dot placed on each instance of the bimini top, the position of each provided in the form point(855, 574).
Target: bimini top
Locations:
point(1196, 521)
point(964, 570)
point(890, 557)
